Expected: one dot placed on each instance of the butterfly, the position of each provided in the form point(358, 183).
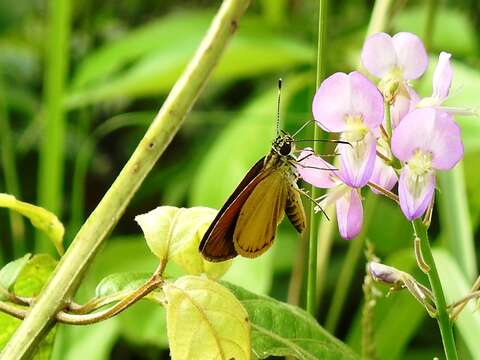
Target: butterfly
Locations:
point(246, 224)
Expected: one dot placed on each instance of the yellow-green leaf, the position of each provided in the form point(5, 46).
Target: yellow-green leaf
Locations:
point(39, 217)
point(205, 321)
point(9, 274)
point(175, 233)
point(29, 283)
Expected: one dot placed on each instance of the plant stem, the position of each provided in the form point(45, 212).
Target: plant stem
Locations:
point(378, 22)
point(100, 223)
point(10, 173)
point(443, 317)
point(313, 239)
point(51, 157)
point(388, 121)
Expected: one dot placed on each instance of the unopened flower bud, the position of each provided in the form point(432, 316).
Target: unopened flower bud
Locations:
point(384, 273)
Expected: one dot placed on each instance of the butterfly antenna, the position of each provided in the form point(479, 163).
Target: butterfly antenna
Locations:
point(308, 122)
point(278, 105)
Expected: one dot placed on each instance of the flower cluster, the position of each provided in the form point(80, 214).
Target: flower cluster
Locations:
point(391, 135)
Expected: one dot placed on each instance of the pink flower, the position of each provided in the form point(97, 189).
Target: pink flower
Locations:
point(426, 140)
point(442, 81)
point(383, 175)
point(352, 105)
point(405, 101)
point(394, 60)
point(316, 171)
point(402, 56)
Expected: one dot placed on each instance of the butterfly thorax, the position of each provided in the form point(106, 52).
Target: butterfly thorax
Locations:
point(281, 153)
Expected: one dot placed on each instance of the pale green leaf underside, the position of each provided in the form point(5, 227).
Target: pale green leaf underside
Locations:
point(205, 321)
point(41, 218)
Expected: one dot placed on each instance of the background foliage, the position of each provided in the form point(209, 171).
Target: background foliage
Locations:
point(123, 59)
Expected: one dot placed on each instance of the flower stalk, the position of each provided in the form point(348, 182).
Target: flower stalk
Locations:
point(443, 317)
point(100, 223)
point(313, 234)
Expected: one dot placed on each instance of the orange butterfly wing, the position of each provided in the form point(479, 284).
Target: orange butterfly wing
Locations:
point(217, 243)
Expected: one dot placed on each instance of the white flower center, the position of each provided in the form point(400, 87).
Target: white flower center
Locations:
point(356, 129)
point(420, 163)
point(420, 166)
point(391, 83)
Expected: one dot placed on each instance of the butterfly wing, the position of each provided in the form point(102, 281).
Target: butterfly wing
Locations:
point(262, 212)
point(217, 242)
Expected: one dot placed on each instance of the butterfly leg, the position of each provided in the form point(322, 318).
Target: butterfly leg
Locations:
point(307, 195)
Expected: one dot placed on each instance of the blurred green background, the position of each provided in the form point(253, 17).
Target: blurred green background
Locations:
point(74, 102)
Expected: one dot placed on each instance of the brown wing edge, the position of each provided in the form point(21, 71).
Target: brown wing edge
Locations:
point(222, 227)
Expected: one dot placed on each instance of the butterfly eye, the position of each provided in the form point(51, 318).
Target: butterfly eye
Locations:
point(286, 148)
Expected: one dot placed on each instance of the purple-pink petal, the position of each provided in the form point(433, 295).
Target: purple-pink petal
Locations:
point(442, 77)
point(366, 100)
point(349, 214)
point(316, 171)
point(383, 175)
point(351, 94)
point(357, 161)
point(415, 196)
point(412, 58)
point(404, 103)
point(431, 131)
point(331, 102)
point(378, 54)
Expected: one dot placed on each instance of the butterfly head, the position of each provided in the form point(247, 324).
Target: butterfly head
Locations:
point(283, 144)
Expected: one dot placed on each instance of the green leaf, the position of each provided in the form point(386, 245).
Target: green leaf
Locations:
point(42, 219)
point(222, 328)
point(29, 283)
point(456, 286)
point(121, 282)
point(280, 329)
point(175, 233)
point(155, 64)
point(34, 275)
point(10, 272)
point(153, 37)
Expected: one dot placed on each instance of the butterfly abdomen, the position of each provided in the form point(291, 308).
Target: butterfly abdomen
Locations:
point(294, 210)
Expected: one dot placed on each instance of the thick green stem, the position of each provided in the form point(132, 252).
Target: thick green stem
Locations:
point(100, 223)
point(10, 173)
point(313, 240)
point(51, 160)
point(443, 317)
